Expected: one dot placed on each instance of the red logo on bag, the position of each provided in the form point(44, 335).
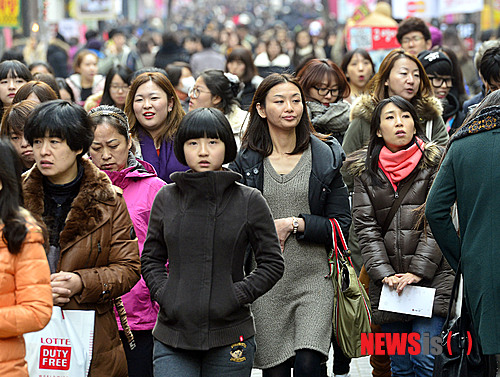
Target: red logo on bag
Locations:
point(55, 357)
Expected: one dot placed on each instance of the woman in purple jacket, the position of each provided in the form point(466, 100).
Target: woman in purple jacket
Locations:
point(155, 112)
point(111, 152)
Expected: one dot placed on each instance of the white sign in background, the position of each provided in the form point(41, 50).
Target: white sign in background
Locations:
point(428, 9)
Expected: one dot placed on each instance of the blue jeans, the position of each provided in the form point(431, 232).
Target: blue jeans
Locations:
point(235, 360)
point(420, 365)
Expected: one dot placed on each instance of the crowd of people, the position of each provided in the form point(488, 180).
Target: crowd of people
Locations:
point(195, 179)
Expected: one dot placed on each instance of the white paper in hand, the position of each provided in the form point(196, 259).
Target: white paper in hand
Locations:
point(414, 300)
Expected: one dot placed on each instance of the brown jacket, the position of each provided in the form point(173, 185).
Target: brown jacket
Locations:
point(96, 244)
point(404, 248)
point(25, 298)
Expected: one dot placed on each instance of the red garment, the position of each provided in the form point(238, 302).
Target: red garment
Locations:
point(398, 165)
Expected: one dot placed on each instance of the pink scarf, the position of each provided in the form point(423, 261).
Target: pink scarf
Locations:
point(397, 166)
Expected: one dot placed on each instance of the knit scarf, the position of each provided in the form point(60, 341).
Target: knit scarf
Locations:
point(333, 119)
point(399, 165)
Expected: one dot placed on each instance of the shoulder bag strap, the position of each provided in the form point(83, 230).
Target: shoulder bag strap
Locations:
point(400, 194)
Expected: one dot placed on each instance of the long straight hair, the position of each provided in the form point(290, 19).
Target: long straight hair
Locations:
point(257, 136)
point(15, 230)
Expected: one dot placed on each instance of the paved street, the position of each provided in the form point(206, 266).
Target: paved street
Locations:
point(359, 368)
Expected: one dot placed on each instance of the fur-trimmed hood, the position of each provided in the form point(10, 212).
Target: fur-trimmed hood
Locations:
point(355, 163)
point(428, 108)
point(86, 210)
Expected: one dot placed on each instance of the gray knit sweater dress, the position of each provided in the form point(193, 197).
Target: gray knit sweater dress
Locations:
point(297, 312)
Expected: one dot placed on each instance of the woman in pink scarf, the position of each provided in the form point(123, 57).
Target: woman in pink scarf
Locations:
point(398, 251)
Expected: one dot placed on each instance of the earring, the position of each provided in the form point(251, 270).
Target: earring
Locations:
point(169, 109)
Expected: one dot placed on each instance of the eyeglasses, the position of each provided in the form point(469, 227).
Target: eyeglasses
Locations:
point(415, 39)
point(117, 88)
point(195, 92)
point(438, 81)
point(324, 91)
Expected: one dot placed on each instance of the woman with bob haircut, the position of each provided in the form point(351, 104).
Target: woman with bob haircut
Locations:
point(85, 81)
point(358, 68)
point(116, 87)
point(240, 63)
point(37, 91)
point(325, 87)
point(111, 152)
point(26, 303)
point(154, 113)
point(93, 254)
point(13, 128)
point(205, 326)
point(13, 74)
point(282, 158)
point(214, 88)
point(405, 252)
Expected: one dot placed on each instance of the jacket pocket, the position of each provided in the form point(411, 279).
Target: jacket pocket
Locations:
point(225, 303)
point(166, 300)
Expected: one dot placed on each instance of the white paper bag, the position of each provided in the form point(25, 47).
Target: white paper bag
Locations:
point(64, 347)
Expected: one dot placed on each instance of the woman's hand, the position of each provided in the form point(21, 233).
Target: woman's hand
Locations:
point(64, 286)
point(391, 281)
point(284, 228)
point(405, 279)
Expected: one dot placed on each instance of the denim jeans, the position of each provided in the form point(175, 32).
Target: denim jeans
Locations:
point(235, 360)
point(420, 365)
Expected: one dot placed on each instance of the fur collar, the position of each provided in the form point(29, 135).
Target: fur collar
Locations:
point(427, 108)
point(355, 163)
point(87, 208)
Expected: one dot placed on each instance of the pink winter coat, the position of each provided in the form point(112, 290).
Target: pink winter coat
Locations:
point(140, 185)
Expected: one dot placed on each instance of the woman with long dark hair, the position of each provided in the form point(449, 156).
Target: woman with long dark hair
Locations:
point(399, 251)
point(116, 87)
point(299, 176)
point(26, 295)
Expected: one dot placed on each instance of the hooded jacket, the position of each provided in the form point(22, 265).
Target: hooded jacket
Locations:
point(25, 298)
point(403, 248)
point(96, 243)
point(140, 186)
point(202, 224)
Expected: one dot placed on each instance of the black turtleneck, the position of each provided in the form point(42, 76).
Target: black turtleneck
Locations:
point(57, 204)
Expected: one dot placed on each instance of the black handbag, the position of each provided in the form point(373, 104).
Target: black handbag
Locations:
point(462, 355)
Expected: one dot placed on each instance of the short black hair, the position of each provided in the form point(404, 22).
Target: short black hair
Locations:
point(62, 119)
point(205, 122)
point(490, 65)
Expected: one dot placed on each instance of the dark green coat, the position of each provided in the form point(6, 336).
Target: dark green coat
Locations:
point(470, 174)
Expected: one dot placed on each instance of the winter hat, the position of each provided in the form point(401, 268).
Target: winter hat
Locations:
point(436, 62)
point(436, 36)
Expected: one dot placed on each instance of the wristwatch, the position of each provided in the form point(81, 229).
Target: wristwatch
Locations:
point(295, 224)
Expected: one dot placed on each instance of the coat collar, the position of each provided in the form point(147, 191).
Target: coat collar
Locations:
point(427, 108)
point(355, 163)
point(211, 183)
point(86, 210)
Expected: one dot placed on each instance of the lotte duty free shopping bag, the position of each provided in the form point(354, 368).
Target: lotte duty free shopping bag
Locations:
point(64, 347)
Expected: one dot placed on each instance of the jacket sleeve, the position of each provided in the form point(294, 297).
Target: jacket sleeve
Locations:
point(353, 138)
point(439, 134)
point(33, 293)
point(101, 284)
point(265, 243)
point(155, 253)
point(427, 258)
point(369, 233)
point(441, 198)
point(318, 228)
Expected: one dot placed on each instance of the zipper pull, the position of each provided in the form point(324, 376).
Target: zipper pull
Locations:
point(396, 195)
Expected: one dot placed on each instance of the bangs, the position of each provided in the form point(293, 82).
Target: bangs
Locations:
point(196, 130)
point(441, 68)
point(14, 68)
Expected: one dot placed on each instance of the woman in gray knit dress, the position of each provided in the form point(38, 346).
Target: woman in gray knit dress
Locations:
point(298, 174)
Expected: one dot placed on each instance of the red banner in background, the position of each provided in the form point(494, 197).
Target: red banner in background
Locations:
point(372, 37)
